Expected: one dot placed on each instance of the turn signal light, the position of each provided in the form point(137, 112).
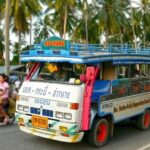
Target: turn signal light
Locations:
point(74, 106)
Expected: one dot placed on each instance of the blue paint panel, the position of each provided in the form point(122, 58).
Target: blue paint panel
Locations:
point(63, 52)
point(103, 114)
point(78, 61)
point(56, 52)
point(40, 52)
point(48, 113)
point(35, 110)
point(101, 88)
point(25, 53)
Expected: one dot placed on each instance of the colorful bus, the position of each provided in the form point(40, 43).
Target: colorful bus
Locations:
point(76, 90)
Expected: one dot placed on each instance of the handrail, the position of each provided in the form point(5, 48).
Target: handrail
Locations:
point(85, 49)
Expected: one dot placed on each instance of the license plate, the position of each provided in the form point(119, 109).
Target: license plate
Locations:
point(40, 122)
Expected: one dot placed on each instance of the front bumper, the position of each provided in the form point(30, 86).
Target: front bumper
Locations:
point(50, 133)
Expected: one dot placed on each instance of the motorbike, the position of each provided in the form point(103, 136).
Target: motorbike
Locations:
point(10, 110)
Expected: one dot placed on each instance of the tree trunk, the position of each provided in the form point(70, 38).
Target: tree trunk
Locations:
point(106, 38)
point(19, 47)
point(65, 20)
point(7, 20)
point(121, 38)
point(86, 20)
point(144, 38)
point(30, 30)
point(133, 29)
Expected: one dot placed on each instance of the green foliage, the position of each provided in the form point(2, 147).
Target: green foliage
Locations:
point(2, 4)
point(1, 47)
point(116, 20)
point(15, 54)
point(59, 10)
point(22, 12)
point(1, 42)
point(42, 29)
point(79, 32)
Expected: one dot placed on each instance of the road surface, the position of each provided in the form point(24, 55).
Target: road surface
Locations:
point(127, 137)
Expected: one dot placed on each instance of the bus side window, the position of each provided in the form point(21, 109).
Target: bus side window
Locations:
point(79, 69)
point(148, 69)
point(144, 70)
point(122, 71)
point(135, 71)
point(109, 71)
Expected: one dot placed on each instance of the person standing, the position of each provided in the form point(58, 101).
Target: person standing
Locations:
point(4, 97)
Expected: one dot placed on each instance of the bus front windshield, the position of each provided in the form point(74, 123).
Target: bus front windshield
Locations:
point(59, 72)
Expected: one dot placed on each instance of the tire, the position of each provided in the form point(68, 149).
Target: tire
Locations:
point(12, 119)
point(99, 134)
point(143, 121)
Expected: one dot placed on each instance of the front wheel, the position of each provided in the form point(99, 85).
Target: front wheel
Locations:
point(11, 118)
point(143, 121)
point(99, 134)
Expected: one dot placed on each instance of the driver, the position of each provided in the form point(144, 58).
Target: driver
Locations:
point(4, 96)
point(58, 72)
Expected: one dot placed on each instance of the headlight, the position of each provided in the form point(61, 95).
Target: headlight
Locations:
point(59, 114)
point(67, 116)
point(20, 107)
point(26, 108)
point(23, 108)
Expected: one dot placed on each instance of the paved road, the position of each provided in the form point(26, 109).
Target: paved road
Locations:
point(127, 137)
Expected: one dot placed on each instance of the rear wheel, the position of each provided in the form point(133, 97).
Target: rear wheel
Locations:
point(99, 134)
point(143, 121)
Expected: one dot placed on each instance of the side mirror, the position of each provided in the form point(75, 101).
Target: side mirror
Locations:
point(83, 77)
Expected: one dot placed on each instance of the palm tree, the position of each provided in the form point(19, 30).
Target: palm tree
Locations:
point(7, 18)
point(2, 6)
point(21, 12)
point(34, 9)
point(60, 12)
point(86, 19)
point(145, 18)
point(19, 20)
point(42, 29)
point(86, 29)
point(134, 22)
point(111, 16)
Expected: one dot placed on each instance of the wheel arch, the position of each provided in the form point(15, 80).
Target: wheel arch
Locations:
point(108, 117)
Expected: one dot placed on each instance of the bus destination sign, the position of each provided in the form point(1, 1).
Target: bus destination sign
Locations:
point(56, 43)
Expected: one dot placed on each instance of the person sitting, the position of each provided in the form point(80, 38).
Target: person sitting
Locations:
point(61, 75)
point(4, 97)
point(136, 73)
point(58, 72)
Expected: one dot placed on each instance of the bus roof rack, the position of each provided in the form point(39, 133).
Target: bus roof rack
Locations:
point(57, 49)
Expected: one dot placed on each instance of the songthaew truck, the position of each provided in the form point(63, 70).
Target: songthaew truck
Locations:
point(74, 90)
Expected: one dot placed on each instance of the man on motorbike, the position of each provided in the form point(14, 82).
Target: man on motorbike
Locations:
point(4, 97)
